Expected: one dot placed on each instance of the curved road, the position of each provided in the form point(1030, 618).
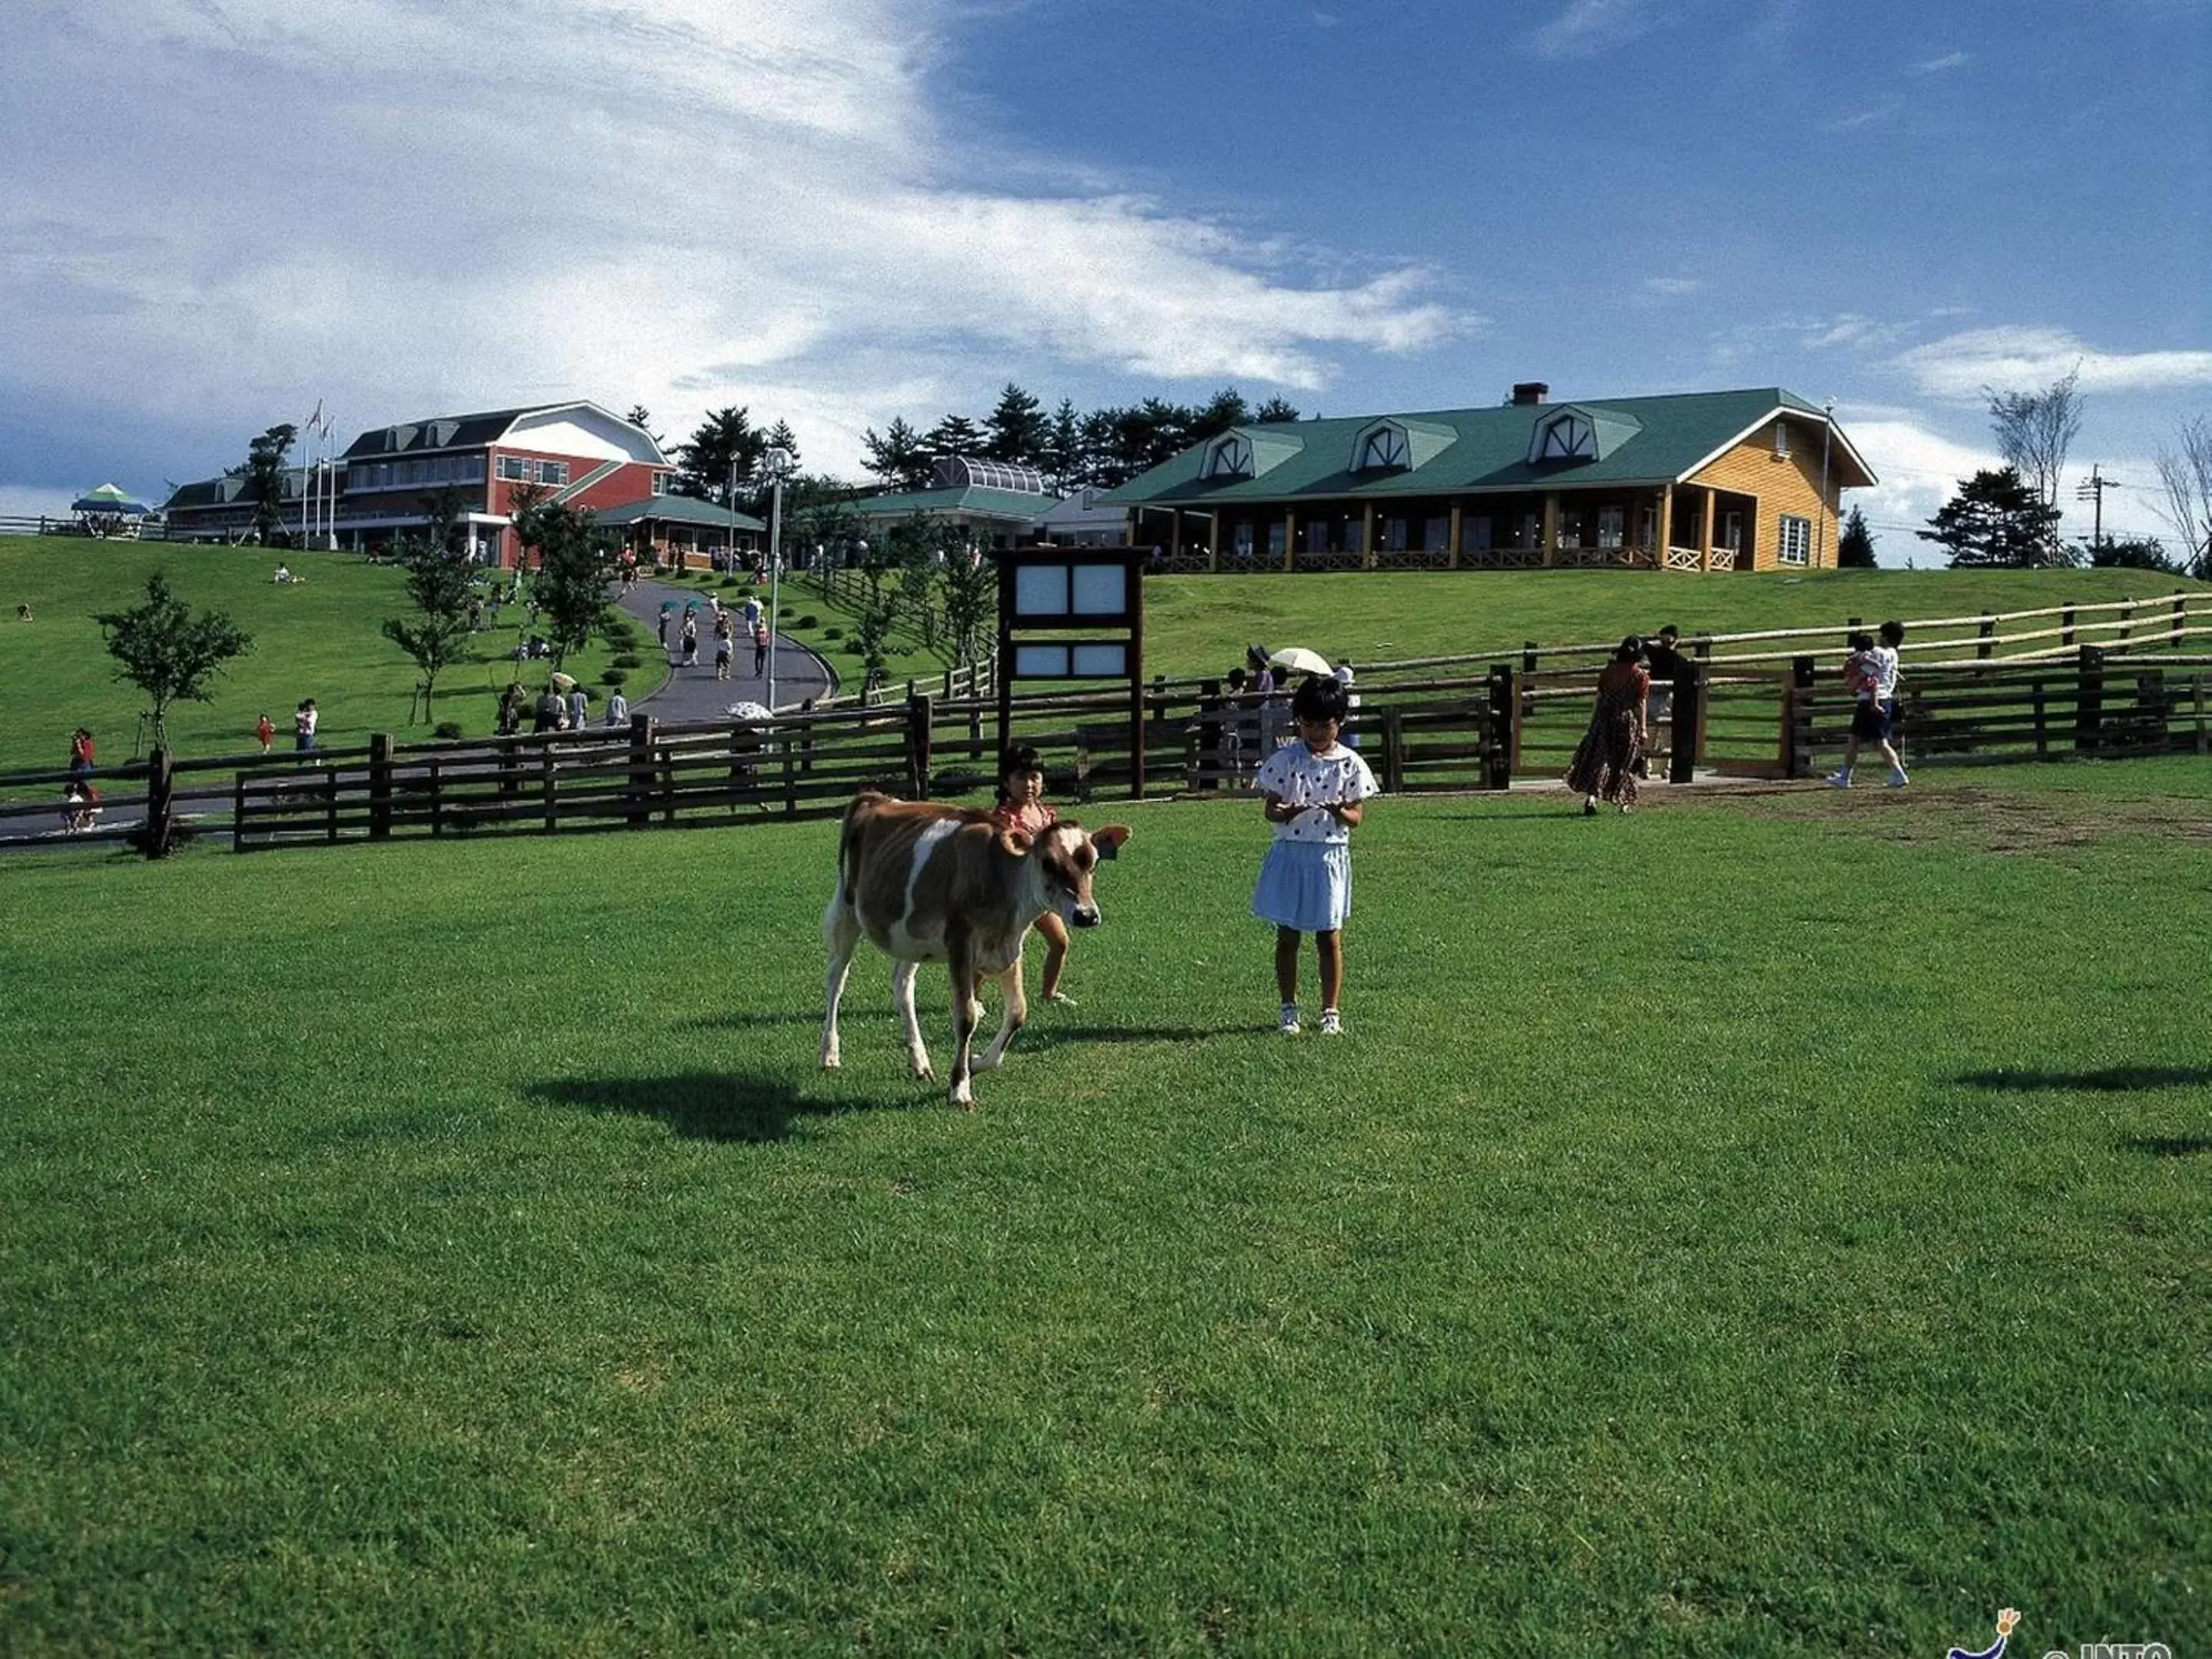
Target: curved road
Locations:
point(694, 693)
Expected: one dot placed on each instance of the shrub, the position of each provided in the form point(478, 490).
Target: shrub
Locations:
point(732, 581)
point(446, 729)
point(810, 620)
point(628, 659)
point(615, 677)
point(833, 632)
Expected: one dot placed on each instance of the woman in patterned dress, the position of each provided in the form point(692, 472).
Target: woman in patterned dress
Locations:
point(1604, 767)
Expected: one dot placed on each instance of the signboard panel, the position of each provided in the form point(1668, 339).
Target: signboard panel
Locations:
point(1101, 590)
point(1062, 591)
point(1040, 590)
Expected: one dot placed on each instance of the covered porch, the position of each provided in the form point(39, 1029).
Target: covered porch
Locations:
point(1676, 526)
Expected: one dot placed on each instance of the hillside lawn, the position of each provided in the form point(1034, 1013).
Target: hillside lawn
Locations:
point(1771, 1223)
point(321, 639)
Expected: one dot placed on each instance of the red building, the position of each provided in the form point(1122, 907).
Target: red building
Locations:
point(578, 453)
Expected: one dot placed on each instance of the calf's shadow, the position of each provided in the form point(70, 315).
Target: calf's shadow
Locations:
point(721, 1106)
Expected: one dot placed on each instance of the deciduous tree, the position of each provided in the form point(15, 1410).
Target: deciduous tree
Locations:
point(576, 563)
point(2185, 475)
point(2034, 430)
point(438, 580)
point(167, 652)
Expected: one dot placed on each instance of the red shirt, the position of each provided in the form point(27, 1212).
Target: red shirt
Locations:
point(1007, 815)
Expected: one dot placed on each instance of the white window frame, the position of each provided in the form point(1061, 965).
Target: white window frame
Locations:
point(1384, 450)
point(1230, 458)
point(1794, 543)
point(1568, 438)
point(1612, 526)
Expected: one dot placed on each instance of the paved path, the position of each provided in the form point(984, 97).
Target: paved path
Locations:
point(694, 693)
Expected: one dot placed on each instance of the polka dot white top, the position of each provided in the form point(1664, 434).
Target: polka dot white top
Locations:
point(1304, 779)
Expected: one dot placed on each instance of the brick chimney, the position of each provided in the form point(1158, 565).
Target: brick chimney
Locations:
point(1530, 392)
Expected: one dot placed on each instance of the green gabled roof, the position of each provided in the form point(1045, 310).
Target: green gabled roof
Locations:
point(676, 509)
point(975, 498)
point(1642, 440)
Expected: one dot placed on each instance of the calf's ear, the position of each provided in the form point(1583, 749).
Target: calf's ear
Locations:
point(1109, 841)
point(1016, 843)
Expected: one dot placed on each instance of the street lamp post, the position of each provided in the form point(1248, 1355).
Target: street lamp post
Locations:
point(778, 461)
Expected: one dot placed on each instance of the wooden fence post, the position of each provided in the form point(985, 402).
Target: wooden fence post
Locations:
point(641, 771)
point(917, 747)
point(1393, 751)
point(379, 786)
point(238, 790)
point(160, 798)
point(2089, 700)
point(2180, 619)
point(1983, 647)
point(1206, 739)
point(331, 804)
point(550, 787)
point(2197, 681)
point(1688, 716)
point(1852, 625)
point(1504, 738)
point(2066, 626)
point(1797, 714)
point(2042, 723)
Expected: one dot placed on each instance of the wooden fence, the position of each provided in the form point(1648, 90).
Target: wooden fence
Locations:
point(1455, 732)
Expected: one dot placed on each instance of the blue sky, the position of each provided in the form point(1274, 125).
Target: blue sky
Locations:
point(837, 211)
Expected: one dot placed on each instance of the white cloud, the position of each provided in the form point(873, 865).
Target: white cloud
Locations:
point(1588, 26)
point(1674, 288)
point(1936, 65)
point(406, 209)
point(2021, 359)
point(1865, 118)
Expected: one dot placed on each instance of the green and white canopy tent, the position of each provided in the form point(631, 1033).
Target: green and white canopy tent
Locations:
point(109, 498)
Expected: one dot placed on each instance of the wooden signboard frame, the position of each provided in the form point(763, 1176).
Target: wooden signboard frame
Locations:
point(1067, 613)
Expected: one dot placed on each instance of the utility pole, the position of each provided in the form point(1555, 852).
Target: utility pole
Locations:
point(2092, 489)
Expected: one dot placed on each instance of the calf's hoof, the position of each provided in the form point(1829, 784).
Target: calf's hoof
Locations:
point(963, 1097)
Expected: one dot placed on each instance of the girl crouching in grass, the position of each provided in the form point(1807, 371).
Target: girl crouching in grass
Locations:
point(1022, 806)
point(1312, 790)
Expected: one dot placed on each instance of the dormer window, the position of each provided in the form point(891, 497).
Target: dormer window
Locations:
point(1567, 438)
point(1231, 457)
point(1384, 450)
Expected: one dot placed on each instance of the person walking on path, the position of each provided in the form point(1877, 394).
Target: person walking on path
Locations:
point(760, 649)
point(691, 640)
point(1870, 674)
point(81, 753)
point(617, 708)
point(752, 611)
point(1312, 790)
point(579, 707)
point(1022, 806)
point(305, 718)
point(667, 607)
point(1605, 762)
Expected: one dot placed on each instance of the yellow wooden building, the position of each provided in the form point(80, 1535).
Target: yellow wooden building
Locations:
point(1744, 480)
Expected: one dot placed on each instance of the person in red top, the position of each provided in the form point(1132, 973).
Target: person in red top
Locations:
point(265, 729)
point(1022, 806)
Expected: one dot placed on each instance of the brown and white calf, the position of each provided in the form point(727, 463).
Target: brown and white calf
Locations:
point(930, 883)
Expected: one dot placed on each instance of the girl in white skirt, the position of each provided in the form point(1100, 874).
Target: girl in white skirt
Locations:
point(1312, 792)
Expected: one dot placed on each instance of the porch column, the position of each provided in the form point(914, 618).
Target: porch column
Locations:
point(1452, 562)
point(1367, 537)
point(1705, 529)
point(1213, 540)
point(1290, 538)
point(1175, 538)
point(1666, 522)
point(1550, 533)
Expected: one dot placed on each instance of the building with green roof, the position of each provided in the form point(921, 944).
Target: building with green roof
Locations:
point(1746, 480)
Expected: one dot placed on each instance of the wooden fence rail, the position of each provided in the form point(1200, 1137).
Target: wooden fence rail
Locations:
point(1455, 733)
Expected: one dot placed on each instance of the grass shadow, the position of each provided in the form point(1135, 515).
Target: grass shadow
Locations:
point(2166, 1145)
point(725, 1106)
point(1046, 1032)
point(2110, 1079)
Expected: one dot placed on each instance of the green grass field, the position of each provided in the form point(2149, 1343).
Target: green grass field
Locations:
point(1771, 1223)
point(321, 639)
